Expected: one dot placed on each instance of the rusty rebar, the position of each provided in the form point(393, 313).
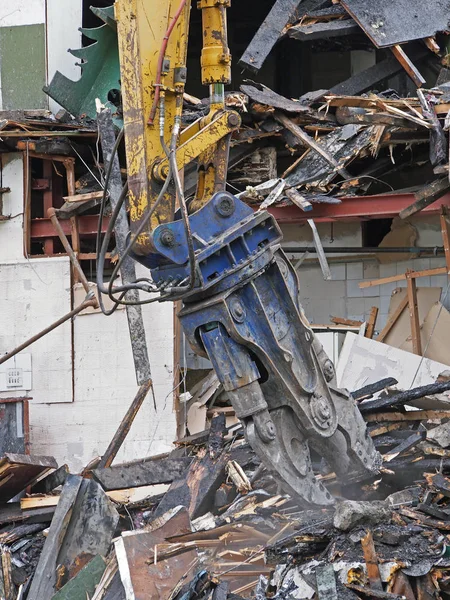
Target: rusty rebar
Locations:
point(38, 336)
point(51, 213)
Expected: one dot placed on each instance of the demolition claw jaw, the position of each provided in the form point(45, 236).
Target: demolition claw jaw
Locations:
point(245, 316)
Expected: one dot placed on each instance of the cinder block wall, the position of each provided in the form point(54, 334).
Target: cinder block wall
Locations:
point(342, 296)
point(83, 377)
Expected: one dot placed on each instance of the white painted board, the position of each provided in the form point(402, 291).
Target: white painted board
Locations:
point(22, 12)
point(364, 361)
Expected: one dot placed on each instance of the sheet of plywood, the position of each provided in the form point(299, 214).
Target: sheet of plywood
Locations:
point(435, 334)
point(364, 361)
point(401, 330)
point(143, 577)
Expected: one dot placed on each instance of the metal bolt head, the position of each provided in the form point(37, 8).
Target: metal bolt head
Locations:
point(233, 119)
point(237, 310)
point(167, 238)
point(225, 205)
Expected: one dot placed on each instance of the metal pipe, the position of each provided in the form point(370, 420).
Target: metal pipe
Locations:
point(38, 336)
point(435, 250)
point(51, 213)
point(124, 427)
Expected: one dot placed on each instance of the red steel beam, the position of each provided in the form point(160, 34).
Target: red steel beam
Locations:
point(87, 224)
point(352, 208)
point(355, 208)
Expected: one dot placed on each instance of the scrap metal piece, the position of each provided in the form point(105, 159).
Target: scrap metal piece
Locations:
point(320, 251)
point(100, 71)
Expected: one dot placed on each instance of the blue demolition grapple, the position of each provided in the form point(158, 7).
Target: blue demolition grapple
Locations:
point(244, 314)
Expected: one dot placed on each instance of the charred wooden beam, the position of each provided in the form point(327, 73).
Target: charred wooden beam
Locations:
point(319, 31)
point(404, 397)
point(283, 12)
point(429, 193)
point(148, 472)
point(371, 77)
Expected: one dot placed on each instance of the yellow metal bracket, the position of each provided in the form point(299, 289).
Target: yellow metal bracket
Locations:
point(223, 123)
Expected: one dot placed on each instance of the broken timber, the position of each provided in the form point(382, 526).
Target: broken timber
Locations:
point(282, 12)
point(148, 472)
point(404, 397)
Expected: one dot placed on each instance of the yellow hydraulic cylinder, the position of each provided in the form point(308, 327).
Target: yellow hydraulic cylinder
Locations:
point(142, 27)
point(216, 57)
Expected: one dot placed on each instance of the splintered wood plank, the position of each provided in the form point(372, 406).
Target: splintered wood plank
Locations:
point(344, 144)
point(264, 95)
point(83, 526)
point(310, 142)
point(414, 275)
point(84, 197)
point(149, 472)
point(389, 23)
point(414, 415)
point(414, 314)
point(196, 490)
point(318, 31)
point(369, 78)
point(371, 322)
point(346, 322)
point(44, 580)
point(408, 65)
point(52, 481)
point(402, 398)
point(370, 556)
point(445, 235)
point(17, 471)
point(428, 194)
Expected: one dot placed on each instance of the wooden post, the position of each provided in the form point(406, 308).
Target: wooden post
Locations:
point(371, 322)
point(414, 313)
point(124, 427)
point(445, 235)
point(393, 319)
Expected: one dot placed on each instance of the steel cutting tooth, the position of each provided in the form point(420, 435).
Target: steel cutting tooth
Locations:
point(288, 458)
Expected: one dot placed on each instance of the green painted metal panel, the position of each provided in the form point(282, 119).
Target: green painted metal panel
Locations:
point(22, 67)
point(100, 70)
point(83, 585)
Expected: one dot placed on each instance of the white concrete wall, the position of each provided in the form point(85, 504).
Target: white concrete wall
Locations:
point(95, 361)
point(62, 19)
point(342, 297)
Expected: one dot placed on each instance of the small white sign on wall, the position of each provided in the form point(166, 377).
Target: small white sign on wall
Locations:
point(15, 374)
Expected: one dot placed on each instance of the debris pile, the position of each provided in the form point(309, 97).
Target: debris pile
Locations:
point(207, 521)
